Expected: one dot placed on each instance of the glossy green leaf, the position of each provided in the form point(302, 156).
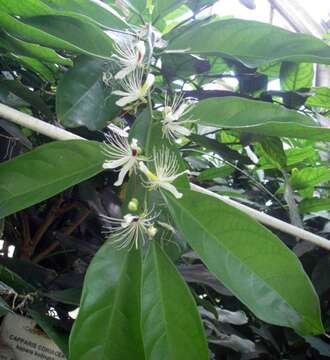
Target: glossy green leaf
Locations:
point(314, 205)
point(36, 66)
point(66, 296)
point(249, 42)
point(296, 76)
point(171, 325)
point(320, 99)
point(82, 98)
point(59, 32)
point(24, 8)
point(94, 11)
point(20, 47)
point(98, 11)
point(108, 324)
point(46, 171)
point(164, 7)
point(252, 262)
point(183, 65)
point(257, 117)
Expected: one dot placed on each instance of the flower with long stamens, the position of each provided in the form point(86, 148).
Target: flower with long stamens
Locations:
point(122, 154)
point(172, 122)
point(133, 88)
point(129, 55)
point(166, 171)
point(131, 230)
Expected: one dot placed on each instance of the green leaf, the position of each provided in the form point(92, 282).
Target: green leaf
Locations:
point(82, 98)
point(10, 278)
point(36, 66)
point(171, 325)
point(222, 149)
point(249, 42)
point(309, 177)
point(273, 149)
point(20, 47)
point(320, 99)
point(164, 7)
point(213, 173)
point(296, 76)
point(296, 155)
point(24, 8)
point(272, 70)
point(60, 32)
point(99, 12)
point(314, 205)
point(182, 65)
point(66, 296)
point(46, 171)
point(108, 324)
point(27, 95)
point(252, 262)
point(257, 117)
point(4, 307)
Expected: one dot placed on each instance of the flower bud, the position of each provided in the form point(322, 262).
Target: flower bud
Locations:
point(133, 205)
point(152, 231)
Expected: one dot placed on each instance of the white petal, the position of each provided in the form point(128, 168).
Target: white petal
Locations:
point(126, 100)
point(143, 167)
point(113, 164)
point(172, 178)
point(182, 108)
point(124, 72)
point(180, 129)
point(124, 170)
point(120, 93)
point(141, 50)
point(148, 83)
point(172, 189)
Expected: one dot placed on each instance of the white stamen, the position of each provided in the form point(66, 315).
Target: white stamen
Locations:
point(122, 154)
point(133, 89)
point(166, 171)
point(130, 55)
point(132, 230)
point(172, 123)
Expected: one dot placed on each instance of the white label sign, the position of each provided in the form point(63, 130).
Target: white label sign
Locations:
point(22, 340)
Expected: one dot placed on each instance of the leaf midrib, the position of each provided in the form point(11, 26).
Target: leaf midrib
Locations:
point(234, 256)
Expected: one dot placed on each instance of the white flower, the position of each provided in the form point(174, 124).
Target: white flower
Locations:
point(133, 87)
point(166, 171)
point(122, 154)
point(130, 56)
point(172, 114)
point(132, 230)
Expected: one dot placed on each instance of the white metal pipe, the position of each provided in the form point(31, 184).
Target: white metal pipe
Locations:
point(35, 124)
